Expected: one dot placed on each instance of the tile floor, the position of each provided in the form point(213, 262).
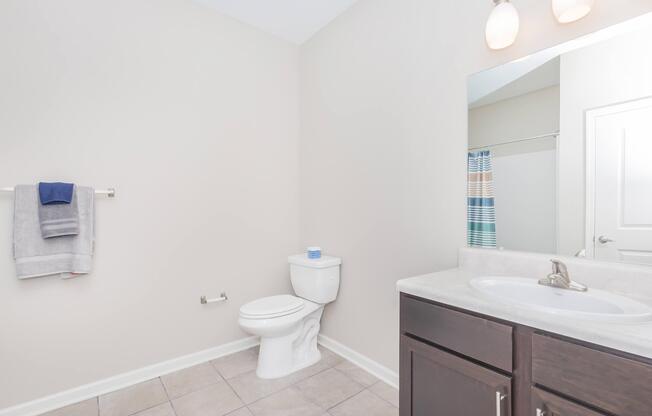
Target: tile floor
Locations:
point(229, 386)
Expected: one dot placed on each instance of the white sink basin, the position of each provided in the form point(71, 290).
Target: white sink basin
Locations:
point(594, 305)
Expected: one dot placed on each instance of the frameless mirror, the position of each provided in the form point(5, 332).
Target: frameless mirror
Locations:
point(560, 149)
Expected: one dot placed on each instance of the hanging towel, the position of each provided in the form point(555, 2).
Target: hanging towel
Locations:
point(481, 212)
point(55, 193)
point(65, 256)
point(58, 219)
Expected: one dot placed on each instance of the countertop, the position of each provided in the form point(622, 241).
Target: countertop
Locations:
point(451, 287)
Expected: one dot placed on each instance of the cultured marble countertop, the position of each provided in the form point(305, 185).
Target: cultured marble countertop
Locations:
point(451, 287)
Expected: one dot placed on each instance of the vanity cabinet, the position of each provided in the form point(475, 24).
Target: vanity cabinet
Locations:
point(459, 363)
point(548, 404)
point(452, 385)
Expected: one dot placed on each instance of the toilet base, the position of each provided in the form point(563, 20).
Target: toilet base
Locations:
point(283, 355)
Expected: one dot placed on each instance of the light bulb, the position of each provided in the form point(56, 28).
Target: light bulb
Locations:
point(502, 26)
point(567, 11)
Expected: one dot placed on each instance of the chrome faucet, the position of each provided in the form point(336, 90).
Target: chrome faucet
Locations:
point(560, 278)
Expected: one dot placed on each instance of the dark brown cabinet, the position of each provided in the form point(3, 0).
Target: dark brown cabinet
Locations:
point(547, 404)
point(459, 363)
point(441, 384)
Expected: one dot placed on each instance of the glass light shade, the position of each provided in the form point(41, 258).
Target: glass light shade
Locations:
point(502, 26)
point(567, 11)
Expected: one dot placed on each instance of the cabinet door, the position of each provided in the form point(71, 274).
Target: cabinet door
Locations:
point(436, 383)
point(547, 404)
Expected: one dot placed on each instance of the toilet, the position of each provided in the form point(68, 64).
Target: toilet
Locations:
point(288, 325)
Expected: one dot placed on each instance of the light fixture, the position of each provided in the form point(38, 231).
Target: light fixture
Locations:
point(567, 11)
point(502, 26)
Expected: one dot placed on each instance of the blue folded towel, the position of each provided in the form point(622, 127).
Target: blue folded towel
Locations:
point(55, 193)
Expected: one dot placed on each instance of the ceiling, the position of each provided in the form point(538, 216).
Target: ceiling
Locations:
point(293, 20)
point(541, 77)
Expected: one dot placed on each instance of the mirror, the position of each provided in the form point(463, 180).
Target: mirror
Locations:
point(560, 149)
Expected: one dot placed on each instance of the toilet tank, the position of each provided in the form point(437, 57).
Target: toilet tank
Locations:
point(317, 280)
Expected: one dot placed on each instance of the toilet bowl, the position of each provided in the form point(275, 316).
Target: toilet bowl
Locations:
point(288, 325)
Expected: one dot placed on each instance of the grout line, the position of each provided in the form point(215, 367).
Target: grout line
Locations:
point(377, 395)
point(355, 395)
point(344, 400)
point(168, 395)
point(288, 386)
point(173, 409)
point(147, 408)
point(235, 392)
point(165, 389)
point(330, 367)
point(216, 370)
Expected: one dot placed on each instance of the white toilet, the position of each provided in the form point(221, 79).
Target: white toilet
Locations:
point(288, 325)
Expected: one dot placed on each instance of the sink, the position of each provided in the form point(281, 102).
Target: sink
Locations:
point(594, 305)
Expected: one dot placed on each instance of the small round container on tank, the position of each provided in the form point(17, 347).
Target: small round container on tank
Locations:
point(314, 252)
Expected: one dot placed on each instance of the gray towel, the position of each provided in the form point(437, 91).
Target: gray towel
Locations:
point(57, 220)
point(36, 256)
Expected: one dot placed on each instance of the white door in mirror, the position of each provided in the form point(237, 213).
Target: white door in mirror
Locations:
point(622, 137)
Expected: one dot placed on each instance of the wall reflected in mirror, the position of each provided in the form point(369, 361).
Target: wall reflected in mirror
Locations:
point(560, 150)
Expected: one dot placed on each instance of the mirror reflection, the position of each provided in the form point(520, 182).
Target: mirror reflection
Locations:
point(559, 151)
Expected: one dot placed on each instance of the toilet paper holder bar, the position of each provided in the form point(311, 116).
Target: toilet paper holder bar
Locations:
point(223, 298)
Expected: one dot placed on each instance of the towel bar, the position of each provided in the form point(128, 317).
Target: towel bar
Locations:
point(110, 192)
point(222, 298)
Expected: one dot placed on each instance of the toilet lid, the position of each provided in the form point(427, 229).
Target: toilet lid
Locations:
point(272, 307)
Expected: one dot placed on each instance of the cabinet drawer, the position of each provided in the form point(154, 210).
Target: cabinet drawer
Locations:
point(547, 404)
point(436, 383)
point(474, 337)
point(615, 384)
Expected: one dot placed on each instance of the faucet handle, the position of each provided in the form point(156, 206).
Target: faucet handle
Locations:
point(558, 267)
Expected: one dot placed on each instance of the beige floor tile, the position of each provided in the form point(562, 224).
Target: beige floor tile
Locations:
point(190, 379)
point(133, 399)
point(364, 404)
point(85, 408)
point(288, 402)
point(385, 391)
point(251, 388)
point(164, 409)
point(238, 363)
point(328, 388)
point(356, 373)
point(309, 371)
point(329, 357)
point(215, 400)
point(243, 411)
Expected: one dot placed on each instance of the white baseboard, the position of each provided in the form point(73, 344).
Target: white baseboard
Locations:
point(87, 391)
point(77, 394)
point(385, 374)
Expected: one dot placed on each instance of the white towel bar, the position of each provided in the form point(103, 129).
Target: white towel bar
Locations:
point(110, 192)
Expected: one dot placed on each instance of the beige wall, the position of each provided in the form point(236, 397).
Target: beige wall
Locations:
point(527, 115)
point(383, 143)
point(194, 119)
point(525, 173)
point(606, 73)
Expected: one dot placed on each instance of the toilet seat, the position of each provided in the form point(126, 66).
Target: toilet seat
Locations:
point(272, 307)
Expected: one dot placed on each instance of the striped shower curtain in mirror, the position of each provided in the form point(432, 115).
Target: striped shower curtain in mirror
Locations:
point(480, 211)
